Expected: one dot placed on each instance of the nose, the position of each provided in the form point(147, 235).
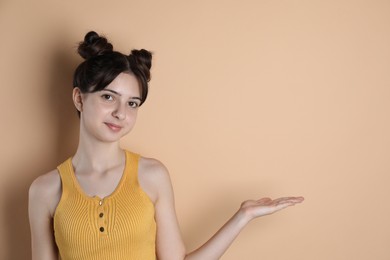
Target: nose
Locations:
point(119, 112)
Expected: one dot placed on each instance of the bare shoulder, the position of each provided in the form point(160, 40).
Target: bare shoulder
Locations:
point(45, 191)
point(152, 166)
point(153, 177)
point(45, 184)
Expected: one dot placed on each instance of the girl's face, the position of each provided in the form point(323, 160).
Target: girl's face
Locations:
point(109, 114)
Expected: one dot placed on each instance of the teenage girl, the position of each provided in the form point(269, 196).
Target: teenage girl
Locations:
point(106, 203)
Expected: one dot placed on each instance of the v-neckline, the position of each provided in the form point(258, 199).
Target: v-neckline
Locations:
point(96, 197)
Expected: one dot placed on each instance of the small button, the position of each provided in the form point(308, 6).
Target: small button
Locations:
point(101, 229)
point(101, 215)
point(100, 202)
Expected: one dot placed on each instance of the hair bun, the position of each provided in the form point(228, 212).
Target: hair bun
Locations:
point(143, 57)
point(94, 45)
point(141, 61)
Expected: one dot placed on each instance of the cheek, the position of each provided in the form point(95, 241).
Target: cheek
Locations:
point(132, 117)
point(94, 113)
point(102, 110)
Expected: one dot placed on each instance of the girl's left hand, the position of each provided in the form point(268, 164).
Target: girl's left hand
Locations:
point(265, 206)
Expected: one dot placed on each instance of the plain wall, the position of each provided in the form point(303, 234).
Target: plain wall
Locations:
point(248, 99)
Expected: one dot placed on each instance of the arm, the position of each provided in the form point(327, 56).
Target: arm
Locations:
point(154, 180)
point(169, 243)
point(43, 194)
point(220, 242)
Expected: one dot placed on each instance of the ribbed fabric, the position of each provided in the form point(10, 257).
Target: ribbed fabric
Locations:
point(119, 227)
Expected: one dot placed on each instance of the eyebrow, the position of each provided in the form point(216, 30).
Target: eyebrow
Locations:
point(117, 93)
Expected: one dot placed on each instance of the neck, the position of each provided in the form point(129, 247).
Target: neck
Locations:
point(97, 155)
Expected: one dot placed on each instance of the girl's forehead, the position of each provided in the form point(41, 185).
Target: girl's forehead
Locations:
point(125, 84)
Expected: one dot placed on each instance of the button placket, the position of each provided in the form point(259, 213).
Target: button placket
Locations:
point(101, 218)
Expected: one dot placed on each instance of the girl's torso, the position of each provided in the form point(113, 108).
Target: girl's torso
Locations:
point(113, 212)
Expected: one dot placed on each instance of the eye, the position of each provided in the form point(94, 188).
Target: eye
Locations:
point(107, 97)
point(133, 104)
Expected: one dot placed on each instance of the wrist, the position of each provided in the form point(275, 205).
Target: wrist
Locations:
point(243, 216)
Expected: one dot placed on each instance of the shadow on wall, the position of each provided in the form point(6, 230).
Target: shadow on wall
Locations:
point(65, 123)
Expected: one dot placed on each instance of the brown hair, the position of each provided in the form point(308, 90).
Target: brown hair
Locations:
point(102, 65)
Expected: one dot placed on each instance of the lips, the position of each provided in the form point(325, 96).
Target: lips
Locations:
point(114, 127)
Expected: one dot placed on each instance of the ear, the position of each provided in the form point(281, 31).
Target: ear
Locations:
point(77, 99)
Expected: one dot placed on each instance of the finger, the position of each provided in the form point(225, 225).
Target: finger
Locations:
point(296, 199)
point(278, 200)
point(264, 199)
point(283, 203)
point(282, 206)
point(289, 199)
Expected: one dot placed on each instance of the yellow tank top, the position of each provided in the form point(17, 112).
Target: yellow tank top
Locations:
point(119, 227)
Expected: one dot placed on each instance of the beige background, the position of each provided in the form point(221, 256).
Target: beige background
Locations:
point(248, 99)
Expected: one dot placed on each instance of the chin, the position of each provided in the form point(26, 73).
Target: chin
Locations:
point(114, 137)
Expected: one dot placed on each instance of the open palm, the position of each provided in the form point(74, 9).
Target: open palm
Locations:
point(266, 206)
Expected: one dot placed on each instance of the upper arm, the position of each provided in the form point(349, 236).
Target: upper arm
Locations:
point(44, 194)
point(169, 243)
